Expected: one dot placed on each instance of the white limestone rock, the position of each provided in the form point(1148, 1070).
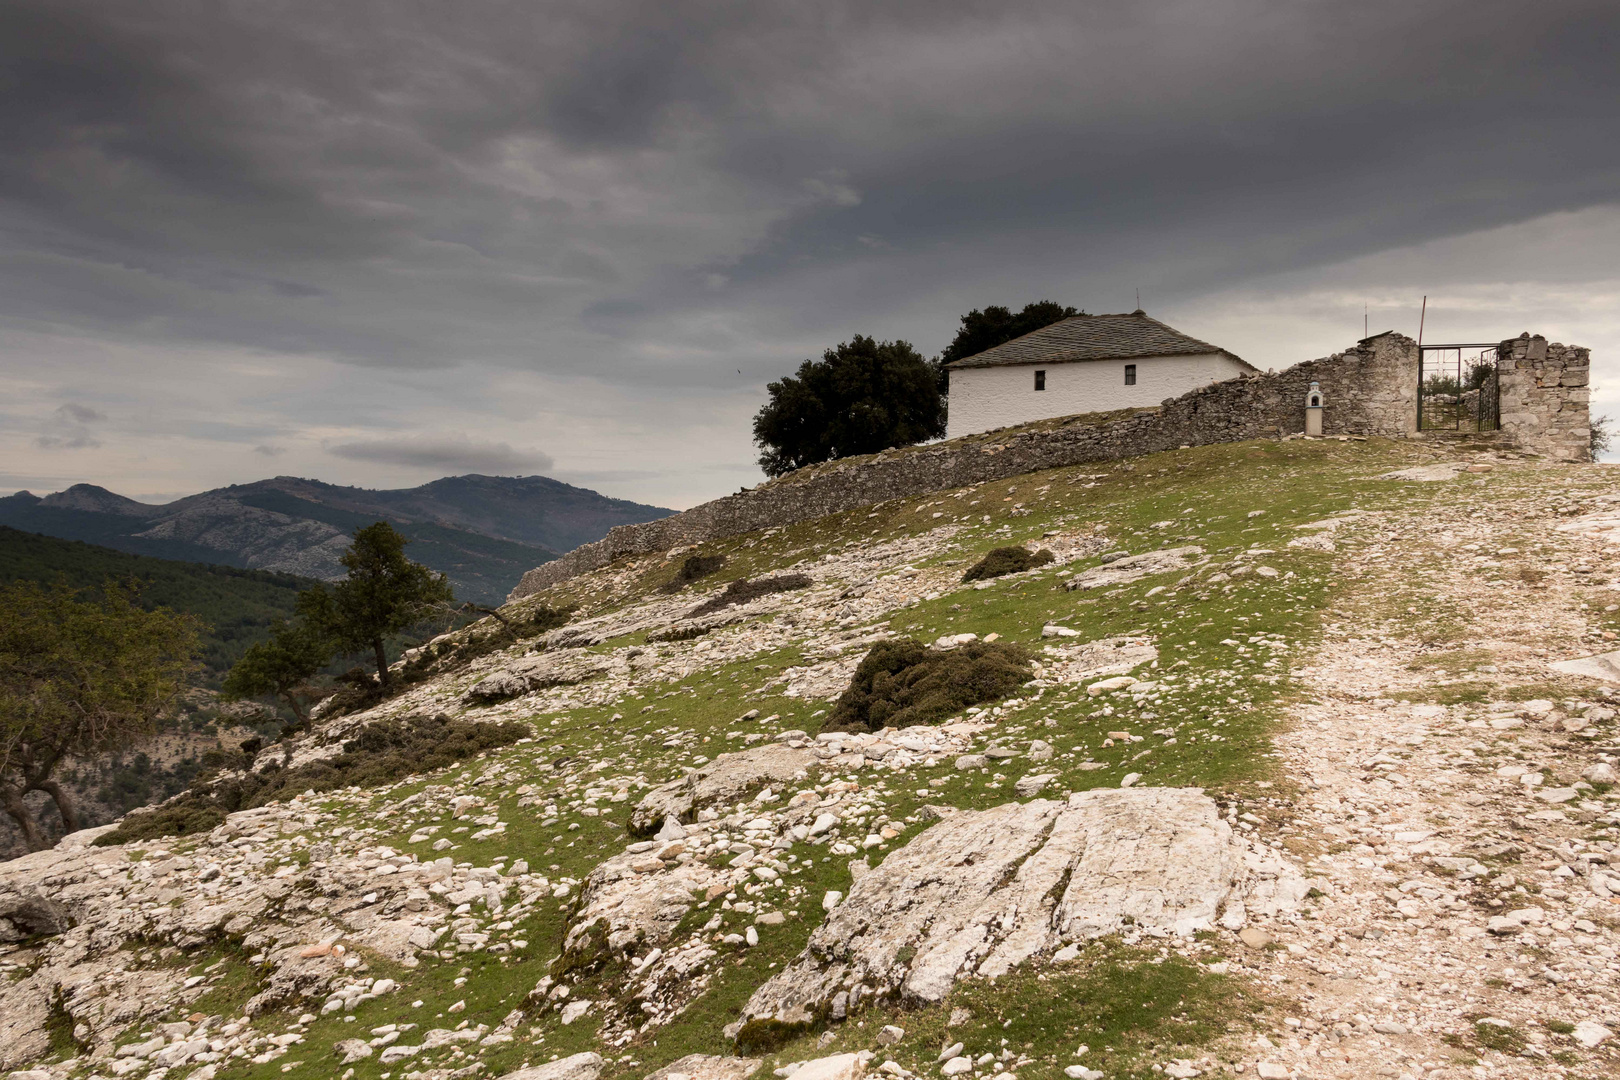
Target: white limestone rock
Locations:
point(540, 671)
point(1105, 656)
point(1591, 1034)
point(585, 1066)
point(350, 1051)
point(724, 780)
point(1135, 567)
point(979, 893)
point(635, 899)
point(1425, 474)
point(708, 1067)
point(837, 1067)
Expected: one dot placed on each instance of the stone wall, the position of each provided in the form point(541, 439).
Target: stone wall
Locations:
point(1544, 396)
point(1370, 389)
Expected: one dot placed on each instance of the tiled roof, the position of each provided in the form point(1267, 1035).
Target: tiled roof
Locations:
point(1094, 337)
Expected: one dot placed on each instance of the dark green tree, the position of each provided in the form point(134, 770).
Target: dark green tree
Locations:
point(986, 328)
point(862, 397)
point(384, 594)
point(281, 667)
point(81, 675)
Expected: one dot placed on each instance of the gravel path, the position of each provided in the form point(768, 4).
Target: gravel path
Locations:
point(1442, 776)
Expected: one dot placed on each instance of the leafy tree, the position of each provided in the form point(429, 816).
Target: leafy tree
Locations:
point(80, 675)
point(281, 667)
point(993, 325)
point(862, 397)
point(1601, 435)
point(384, 594)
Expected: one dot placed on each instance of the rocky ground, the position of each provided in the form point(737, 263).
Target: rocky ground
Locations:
point(1294, 791)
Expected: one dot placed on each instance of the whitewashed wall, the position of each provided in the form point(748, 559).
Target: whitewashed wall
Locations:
point(993, 397)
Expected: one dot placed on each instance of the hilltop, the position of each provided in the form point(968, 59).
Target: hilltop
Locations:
point(482, 531)
point(1286, 785)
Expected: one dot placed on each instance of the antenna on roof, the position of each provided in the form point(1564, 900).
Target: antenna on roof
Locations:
point(1138, 299)
point(1365, 332)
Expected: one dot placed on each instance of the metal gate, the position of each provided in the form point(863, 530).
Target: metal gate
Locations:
point(1458, 387)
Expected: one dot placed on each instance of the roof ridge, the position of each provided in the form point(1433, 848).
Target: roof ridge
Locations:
point(1106, 336)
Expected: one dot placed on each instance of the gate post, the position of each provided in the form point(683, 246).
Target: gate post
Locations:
point(1543, 396)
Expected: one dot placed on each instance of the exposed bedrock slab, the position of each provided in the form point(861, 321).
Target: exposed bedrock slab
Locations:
point(587, 1066)
point(636, 899)
point(539, 672)
point(1136, 567)
point(723, 780)
point(1604, 666)
point(708, 1067)
point(981, 892)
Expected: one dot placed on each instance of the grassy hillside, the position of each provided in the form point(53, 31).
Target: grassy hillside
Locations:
point(238, 605)
point(1295, 550)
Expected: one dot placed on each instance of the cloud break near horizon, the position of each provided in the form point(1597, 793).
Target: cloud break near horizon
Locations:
point(376, 243)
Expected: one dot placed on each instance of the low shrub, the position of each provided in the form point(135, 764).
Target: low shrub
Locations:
point(182, 817)
point(379, 754)
point(903, 682)
point(695, 568)
point(743, 590)
point(679, 632)
point(1006, 560)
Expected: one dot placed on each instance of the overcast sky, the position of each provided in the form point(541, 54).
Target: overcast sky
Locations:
point(378, 243)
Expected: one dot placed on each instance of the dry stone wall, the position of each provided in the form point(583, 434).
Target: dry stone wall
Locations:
point(1545, 390)
point(1370, 389)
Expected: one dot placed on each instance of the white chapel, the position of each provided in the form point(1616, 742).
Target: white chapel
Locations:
point(1083, 364)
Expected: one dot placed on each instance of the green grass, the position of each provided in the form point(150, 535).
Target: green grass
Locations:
point(1131, 1007)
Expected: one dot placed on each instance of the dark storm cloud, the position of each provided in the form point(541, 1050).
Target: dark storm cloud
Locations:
point(69, 428)
point(80, 414)
point(656, 194)
point(454, 454)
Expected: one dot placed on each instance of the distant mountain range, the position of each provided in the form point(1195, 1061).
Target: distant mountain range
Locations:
point(481, 531)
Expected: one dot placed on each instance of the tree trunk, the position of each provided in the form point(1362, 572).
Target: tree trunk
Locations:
point(70, 817)
point(291, 698)
point(13, 805)
point(382, 662)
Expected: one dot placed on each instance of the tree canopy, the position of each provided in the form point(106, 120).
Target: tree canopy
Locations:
point(236, 606)
point(384, 594)
point(80, 674)
point(992, 325)
point(861, 397)
point(281, 667)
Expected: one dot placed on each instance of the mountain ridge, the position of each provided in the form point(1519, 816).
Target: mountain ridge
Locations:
point(484, 532)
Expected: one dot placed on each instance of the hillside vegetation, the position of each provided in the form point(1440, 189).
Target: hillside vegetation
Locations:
point(1324, 675)
point(237, 605)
